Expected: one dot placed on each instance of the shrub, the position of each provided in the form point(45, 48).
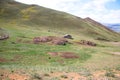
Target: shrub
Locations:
point(110, 74)
point(36, 76)
point(64, 76)
point(46, 74)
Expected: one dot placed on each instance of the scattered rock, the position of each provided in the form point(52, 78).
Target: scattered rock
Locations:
point(4, 37)
point(84, 42)
point(68, 36)
point(52, 39)
point(59, 42)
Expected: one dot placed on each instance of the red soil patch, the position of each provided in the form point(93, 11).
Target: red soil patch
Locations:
point(3, 60)
point(16, 76)
point(15, 58)
point(66, 55)
point(69, 76)
point(8, 75)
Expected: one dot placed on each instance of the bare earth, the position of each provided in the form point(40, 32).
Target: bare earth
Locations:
point(20, 75)
point(116, 53)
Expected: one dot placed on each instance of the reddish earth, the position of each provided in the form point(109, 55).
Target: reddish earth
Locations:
point(66, 55)
point(96, 75)
point(15, 58)
point(3, 60)
point(11, 75)
point(15, 76)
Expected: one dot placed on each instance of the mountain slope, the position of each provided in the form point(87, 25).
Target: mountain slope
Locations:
point(14, 13)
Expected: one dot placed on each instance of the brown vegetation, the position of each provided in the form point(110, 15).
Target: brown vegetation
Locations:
point(102, 39)
point(15, 58)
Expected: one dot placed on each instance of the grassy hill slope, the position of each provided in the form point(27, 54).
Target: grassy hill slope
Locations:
point(19, 55)
point(55, 21)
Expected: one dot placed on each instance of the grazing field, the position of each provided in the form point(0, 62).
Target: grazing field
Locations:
point(19, 55)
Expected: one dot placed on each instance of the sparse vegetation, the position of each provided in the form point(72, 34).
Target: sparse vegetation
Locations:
point(46, 75)
point(36, 76)
point(64, 76)
point(110, 74)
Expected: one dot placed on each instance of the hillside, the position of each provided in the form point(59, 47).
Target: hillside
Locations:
point(39, 17)
point(33, 45)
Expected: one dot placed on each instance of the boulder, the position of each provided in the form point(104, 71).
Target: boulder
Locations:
point(68, 36)
point(3, 37)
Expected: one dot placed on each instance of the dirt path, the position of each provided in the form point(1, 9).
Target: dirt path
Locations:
point(115, 43)
point(115, 53)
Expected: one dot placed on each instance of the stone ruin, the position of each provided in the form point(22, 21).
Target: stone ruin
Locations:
point(51, 39)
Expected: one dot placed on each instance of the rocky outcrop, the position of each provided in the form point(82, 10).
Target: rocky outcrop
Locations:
point(84, 42)
point(68, 36)
point(51, 39)
point(4, 37)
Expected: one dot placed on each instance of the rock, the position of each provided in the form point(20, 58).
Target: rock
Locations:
point(3, 37)
point(52, 39)
point(84, 42)
point(68, 36)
